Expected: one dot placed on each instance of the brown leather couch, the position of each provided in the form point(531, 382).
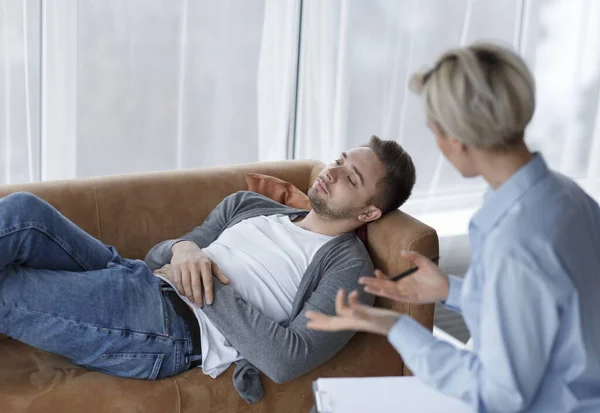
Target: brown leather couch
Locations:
point(134, 212)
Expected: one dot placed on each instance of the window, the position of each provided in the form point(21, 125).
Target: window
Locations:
point(356, 59)
point(114, 86)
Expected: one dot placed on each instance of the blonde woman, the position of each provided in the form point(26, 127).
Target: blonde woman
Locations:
point(531, 295)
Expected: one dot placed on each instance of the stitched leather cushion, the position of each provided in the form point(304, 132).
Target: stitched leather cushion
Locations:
point(278, 190)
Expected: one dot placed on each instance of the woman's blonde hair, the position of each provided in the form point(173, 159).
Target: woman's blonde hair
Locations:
point(483, 95)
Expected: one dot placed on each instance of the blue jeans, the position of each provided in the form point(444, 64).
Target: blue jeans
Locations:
point(64, 291)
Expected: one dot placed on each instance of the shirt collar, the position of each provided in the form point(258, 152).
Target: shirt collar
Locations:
point(498, 202)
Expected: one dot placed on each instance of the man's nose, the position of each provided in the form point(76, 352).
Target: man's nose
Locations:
point(331, 174)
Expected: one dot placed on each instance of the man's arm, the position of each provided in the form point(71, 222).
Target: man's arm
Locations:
point(283, 353)
point(240, 202)
point(202, 235)
point(190, 269)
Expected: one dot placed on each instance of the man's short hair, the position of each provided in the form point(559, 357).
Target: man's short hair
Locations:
point(400, 176)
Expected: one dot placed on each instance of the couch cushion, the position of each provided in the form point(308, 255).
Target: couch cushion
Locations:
point(34, 381)
point(278, 190)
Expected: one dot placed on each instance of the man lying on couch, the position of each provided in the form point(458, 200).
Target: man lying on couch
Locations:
point(63, 291)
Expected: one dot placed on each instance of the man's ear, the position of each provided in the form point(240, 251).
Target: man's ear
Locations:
point(372, 213)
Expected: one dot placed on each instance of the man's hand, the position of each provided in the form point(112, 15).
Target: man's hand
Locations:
point(191, 270)
point(427, 285)
point(354, 316)
point(166, 271)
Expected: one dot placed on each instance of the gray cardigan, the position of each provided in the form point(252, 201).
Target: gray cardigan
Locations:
point(282, 351)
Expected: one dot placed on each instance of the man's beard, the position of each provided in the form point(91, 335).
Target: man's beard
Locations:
point(323, 209)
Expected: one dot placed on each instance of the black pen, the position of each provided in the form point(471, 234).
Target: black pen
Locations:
point(410, 271)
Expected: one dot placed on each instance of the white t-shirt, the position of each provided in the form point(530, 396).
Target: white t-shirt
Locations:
point(264, 258)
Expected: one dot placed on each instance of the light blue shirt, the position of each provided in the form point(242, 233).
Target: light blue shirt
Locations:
point(531, 300)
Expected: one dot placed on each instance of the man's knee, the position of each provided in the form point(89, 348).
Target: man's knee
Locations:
point(24, 202)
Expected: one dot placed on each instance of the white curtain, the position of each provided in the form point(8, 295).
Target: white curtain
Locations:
point(104, 87)
point(165, 84)
point(357, 56)
point(19, 90)
point(114, 86)
point(561, 40)
point(277, 77)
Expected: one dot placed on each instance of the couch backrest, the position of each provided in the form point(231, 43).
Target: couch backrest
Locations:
point(133, 212)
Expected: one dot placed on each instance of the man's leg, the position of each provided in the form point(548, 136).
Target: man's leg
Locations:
point(34, 234)
point(63, 291)
point(114, 320)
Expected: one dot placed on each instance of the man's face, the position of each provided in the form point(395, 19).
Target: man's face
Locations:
point(345, 187)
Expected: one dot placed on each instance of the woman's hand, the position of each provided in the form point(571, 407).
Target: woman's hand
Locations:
point(427, 285)
point(354, 316)
point(192, 270)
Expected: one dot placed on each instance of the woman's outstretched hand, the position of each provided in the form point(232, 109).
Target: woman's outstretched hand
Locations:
point(427, 285)
point(353, 316)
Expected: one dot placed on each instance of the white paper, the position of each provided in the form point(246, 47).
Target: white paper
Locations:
point(382, 394)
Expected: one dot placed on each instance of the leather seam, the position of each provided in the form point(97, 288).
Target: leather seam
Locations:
point(178, 391)
point(414, 242)
point(98, 221)
point(418, 238)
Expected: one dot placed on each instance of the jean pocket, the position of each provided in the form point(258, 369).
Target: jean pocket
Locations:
point(131, 365)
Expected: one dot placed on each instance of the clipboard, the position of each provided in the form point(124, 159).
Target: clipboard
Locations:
point(382, 395)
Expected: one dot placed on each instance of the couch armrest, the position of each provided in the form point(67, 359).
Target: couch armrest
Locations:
point(386, 238)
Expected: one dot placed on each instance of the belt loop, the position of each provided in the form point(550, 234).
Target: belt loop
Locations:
point(193, 357)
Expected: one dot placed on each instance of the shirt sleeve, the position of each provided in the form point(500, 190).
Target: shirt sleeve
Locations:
point(455, 288)
point(203, 235)
point(519, 320)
